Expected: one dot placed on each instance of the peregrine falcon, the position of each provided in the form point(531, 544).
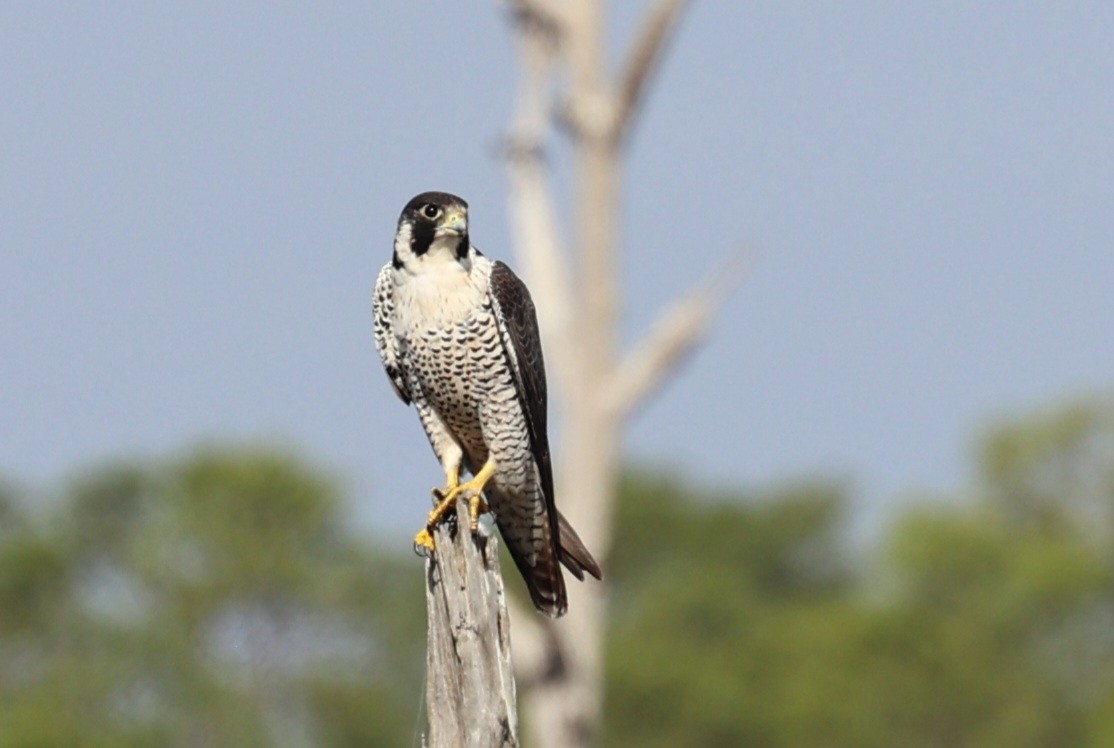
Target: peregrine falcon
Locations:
point(458, 336)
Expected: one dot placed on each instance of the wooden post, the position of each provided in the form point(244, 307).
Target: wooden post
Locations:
point(470, 691)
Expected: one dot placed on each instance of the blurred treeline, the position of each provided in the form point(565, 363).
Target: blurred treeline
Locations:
point(218, 600)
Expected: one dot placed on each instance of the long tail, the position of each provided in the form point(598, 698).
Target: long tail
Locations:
point(544, 580)
point(573, 554)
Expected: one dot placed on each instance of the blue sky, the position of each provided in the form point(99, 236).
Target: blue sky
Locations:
point(195, 199)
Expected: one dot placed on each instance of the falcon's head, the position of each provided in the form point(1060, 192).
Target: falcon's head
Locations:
point(433, 228)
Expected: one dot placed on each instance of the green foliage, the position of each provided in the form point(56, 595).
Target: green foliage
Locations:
point(214, 600)
point(987, 623)
point(706, 595)
point(1055, 467)
point(218, 600)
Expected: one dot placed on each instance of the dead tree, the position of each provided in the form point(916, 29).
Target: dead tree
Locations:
point(575, 284)
point(470, 692)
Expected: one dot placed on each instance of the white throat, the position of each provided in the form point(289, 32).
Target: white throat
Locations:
point(436, 287)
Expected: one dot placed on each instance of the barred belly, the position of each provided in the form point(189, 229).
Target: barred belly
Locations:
point(464, 376)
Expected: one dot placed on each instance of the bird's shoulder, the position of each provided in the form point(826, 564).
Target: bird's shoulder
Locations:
point(511, 295)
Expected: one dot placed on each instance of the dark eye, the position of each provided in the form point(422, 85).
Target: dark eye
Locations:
point(431, 211)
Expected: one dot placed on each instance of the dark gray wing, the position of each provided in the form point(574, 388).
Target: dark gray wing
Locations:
point(385, 341)
point(518, 328)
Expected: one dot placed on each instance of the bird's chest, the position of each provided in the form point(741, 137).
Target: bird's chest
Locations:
point(455, 358)
point(441, 296)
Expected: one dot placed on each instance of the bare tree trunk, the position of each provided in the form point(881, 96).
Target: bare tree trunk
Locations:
point(560, 664)
point(470, 691)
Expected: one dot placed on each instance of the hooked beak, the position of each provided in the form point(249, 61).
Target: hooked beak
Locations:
point(455, 224)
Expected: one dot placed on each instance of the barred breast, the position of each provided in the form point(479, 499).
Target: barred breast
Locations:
point(462, 372)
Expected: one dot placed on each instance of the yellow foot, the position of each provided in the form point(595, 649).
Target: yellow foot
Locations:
point(446, 501)
point(423, 543)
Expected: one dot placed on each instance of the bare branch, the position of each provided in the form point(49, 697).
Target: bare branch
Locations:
point(676, 334)
point(564, 42)
point(532, 207)
point(642, 59)
point(547, 16)
point(533, 643)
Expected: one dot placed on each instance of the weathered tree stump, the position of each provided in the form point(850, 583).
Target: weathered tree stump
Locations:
point(470, 691)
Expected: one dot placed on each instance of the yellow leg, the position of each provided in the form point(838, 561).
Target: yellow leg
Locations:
point(472, 490)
